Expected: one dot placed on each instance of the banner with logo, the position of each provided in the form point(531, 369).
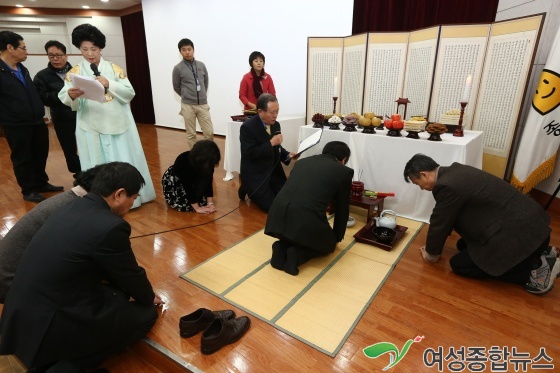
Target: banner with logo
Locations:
point(541, 135)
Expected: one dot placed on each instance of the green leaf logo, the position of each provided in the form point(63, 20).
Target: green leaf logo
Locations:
point(381, 348)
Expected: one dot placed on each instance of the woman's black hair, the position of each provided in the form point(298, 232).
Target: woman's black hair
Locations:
point(87, 32)
point(255, 55)
point(205, 155)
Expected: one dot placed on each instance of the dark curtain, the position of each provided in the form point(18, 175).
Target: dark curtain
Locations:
point(138, 68)
point(409, 15)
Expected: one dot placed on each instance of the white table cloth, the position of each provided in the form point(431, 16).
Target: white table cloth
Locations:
point(232, 157)
point(378, 160)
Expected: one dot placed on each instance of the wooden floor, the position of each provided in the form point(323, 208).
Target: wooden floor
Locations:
point(418, 299)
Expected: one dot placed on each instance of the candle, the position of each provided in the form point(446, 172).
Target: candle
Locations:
point(335, 92)
point(467, 92)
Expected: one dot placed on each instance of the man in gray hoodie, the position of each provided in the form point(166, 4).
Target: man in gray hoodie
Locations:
point(190, 81)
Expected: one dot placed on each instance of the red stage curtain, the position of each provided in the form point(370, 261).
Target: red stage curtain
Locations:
point(409, 15)
point(138, 68)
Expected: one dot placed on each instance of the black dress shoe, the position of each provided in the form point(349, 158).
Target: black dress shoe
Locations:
point(241, 193)
point(223, 332)
point(33, 197)
point(47, 188)
point(199, 320)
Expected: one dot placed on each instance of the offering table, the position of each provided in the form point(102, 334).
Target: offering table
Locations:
point(380, 160)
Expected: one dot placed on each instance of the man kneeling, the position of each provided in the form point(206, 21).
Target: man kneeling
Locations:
point(78, 295)
point(297, 216)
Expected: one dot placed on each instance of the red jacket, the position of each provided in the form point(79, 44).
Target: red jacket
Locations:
point(246, 93)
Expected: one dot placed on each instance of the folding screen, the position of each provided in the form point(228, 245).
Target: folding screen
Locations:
point(511, 49)
point(430, 67)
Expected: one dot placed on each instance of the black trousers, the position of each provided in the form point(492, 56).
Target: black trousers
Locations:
point(463, 265)
point(265, 194)
point(29, 145)
point(66, 133)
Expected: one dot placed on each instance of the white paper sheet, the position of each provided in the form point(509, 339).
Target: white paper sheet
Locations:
point(309, 142)
point(93, 90)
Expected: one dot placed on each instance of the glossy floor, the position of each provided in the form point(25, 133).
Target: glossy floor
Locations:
point(418, 299)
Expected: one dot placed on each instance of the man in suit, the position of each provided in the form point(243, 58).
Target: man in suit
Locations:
point(14, 243)
point(504, 234)
point(262, 175)
point(79, 295)
point(21, 114)
point(49, 82)
point(297, 216)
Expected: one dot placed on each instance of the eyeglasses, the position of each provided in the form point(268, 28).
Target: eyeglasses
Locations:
point(24, 48)
point(54, 56)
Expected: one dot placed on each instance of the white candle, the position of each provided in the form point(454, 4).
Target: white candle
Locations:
point(335, 91)
point(467, 92)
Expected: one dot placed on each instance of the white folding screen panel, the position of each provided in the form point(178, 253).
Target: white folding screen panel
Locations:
point(324, 66)
point(385, 66)
point(353, 71)
point(461, 53)
point(421, 57)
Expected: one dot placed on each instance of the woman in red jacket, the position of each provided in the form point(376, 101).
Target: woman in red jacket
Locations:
point(255, 82)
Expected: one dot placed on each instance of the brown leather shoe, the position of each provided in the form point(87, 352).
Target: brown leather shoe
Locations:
point(199, 320)
point(223, 332)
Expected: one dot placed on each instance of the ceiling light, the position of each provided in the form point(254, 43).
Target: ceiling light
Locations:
point(19, 6)
point(104, 1)
point(85, 6)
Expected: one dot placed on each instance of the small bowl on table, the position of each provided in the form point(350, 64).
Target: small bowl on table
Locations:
point(384, 234)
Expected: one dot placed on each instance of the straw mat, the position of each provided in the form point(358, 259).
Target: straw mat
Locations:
point(322, 304)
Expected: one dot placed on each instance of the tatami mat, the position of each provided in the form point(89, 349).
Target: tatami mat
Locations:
point(323, 303)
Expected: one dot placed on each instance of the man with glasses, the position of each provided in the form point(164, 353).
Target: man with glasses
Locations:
point(49, 82)
point(261, 154)
point(21, 114)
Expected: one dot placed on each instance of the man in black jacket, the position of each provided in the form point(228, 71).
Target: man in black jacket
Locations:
point(79, 295)
point(49, 82)
point(261, 153)
point(21, 114)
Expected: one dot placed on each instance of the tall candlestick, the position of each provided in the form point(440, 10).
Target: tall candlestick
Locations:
point(467, 92)
point(335, 91)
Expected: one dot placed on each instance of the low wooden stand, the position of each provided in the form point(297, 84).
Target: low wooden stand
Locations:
point(370, 204)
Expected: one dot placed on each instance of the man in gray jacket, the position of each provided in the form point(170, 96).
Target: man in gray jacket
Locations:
point(190, 81)
point(504, 234)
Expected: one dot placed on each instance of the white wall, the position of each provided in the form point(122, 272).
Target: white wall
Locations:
point(37, 30)
point(518, 8)
point(224, 33)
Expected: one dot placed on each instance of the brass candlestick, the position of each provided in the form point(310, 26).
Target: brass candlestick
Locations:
point(334, 105)
point(459, 131)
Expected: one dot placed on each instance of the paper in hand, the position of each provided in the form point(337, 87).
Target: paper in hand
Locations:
point(309, 142)
point(93, 90)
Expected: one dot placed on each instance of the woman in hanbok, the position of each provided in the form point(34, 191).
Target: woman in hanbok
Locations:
point(105, 131)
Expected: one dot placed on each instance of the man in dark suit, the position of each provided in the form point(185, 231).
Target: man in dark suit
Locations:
point(504, 234)
point(49, 82)
point(21, 114)
point(297, 216)
point(79, 295)
point(262, 175)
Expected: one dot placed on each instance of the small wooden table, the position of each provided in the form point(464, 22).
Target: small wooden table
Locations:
point(373, 205)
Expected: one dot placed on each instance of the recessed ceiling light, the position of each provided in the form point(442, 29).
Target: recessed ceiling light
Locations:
point(85, 6)
point(104, 1)
point(19, 5)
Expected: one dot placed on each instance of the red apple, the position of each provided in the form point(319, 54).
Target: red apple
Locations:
point(395, 117)
point(388, 123)
point(398, 124)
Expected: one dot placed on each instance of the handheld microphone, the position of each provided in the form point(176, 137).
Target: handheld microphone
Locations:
point(95, 69)
point(279, 146)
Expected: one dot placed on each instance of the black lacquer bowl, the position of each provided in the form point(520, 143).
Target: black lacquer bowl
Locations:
point(384, 234)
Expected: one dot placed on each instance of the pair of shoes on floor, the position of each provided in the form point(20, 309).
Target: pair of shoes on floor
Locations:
point(33, 197)
point(220, 328)
point(541, 280)
point(48, 188)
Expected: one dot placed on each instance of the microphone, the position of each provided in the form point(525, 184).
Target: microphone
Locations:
point(279, 146)
point(95, 69)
